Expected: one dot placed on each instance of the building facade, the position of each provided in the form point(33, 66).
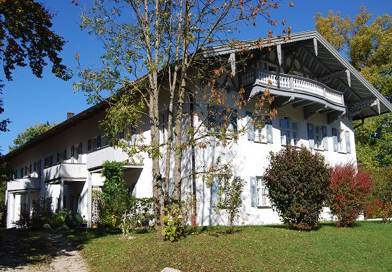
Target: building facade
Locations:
point(317, 92)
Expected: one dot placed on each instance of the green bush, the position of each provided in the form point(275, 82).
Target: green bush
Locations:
point(297, 182)
point(174, 222)
point(139, 216)
point(57, 219)
point(73, 220)
point(115, 200)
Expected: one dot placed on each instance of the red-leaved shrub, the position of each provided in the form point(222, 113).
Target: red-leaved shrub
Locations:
point(349, 190)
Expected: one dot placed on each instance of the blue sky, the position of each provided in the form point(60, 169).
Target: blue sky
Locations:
point(29, 100)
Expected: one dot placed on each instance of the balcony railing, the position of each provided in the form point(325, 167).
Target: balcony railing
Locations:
point(293, 83)
point(97, 158)
point(71, 171)
point(23, 184)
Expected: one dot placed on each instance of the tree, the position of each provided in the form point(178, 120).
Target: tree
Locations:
point(114, 199)
point(165, 41)
point(26, 38)
point(349, 191)
point(297, 183)
point(366, 41)
point(29, 134)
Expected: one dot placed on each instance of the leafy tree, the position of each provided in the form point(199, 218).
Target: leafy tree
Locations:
point(26, 38)
point(115, 198)
point(297, 183)
point(381, 198)
point(29, 134)
point(349, 191)
point(366, 41)
point(163, 41)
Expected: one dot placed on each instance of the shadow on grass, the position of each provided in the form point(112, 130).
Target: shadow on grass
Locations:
point(39, 247)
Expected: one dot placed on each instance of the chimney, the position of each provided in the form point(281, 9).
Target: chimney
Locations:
point(70, 115)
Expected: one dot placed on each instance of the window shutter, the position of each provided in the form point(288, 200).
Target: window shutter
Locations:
point(269, 133)
point(324, 135)
point(348, 144)
point(253, 191)
point(250, 128)
point(214, 194)
point(311, 135)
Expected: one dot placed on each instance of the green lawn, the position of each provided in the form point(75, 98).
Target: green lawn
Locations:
point(366, 247)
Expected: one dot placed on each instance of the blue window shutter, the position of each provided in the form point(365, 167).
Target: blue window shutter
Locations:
point(214, 193)
point(348, 144)
point(311, 135)
point(269, 133)
point(250, 128)
point(253, 191)
point(324, 135)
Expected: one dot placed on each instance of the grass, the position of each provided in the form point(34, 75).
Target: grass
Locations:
point(365, 247)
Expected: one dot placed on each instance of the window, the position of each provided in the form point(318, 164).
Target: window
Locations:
point(58, 157)
point(80, 148)
point(64, 154)
point(21, 172)
point(214, 194)
point(35, 166)
point(72, 151)
point(39, 166)
point(320, 138)
point(48, 161)
point(99, 141)
point(221, 118)
point(348, 143)
point(259, 193)
point(257, 133)
point(337, 140)
point(89, 145)
point(289, 132)
point(30, 168)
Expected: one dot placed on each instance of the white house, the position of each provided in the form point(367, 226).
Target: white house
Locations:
point(318, 95)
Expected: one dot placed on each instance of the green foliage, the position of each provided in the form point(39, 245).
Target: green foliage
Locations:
point(57, 219)
point(139, 216)
point(297, 182)
point(174, 222)
point(27, 39)
point(349, 191)
point(29, 134)
point(230, 189)
point(73, 220)
point(366, 41)
point(381, 204)
point(114, 199)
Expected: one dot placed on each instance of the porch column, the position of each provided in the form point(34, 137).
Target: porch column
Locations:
point(10, 209)
point(89, 200)
point(61, 198)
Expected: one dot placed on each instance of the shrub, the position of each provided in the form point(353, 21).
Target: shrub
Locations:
point(229, 193)
point(381, 203)
point(174, 223)
point(349, 191)
point(139, 216)
point(73, 220)
point(57, 219)
point(114, 199)
point(297, 182)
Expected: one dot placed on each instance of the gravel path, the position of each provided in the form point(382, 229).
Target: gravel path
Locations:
point(66, 258)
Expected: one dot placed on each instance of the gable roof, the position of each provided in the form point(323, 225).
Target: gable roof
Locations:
point(367, 99)
point(364, 91)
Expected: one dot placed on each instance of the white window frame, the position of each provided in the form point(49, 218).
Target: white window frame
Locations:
point(263, 200)
point(288, 132)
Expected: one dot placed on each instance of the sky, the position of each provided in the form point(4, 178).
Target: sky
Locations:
point(29, 100)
